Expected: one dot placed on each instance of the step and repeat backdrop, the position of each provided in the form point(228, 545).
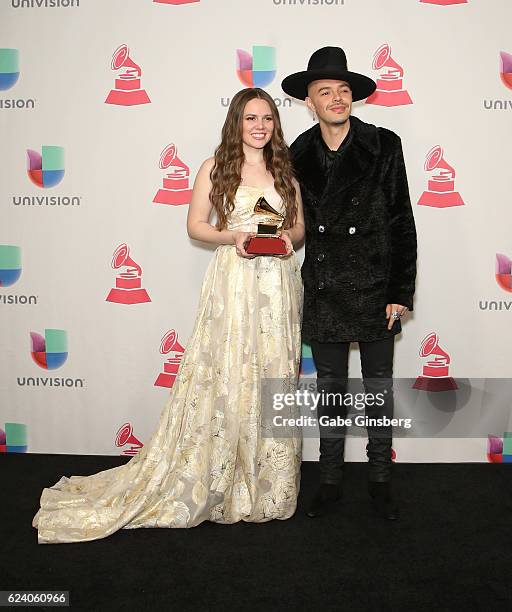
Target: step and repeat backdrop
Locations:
point(107, 110)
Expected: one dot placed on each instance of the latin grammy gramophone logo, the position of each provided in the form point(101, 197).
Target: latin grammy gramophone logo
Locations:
point(435, 376)
point(504, 272)
point(170, 345)
point(127, 90)
point(441, 186)
point(499, 450)
point(444, 2)
point(176, 1)
point(390, 91)
point(128, 289)
point(125, 437)
point(175, 189)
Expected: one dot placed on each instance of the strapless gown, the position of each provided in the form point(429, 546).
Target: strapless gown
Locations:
point(209, 458)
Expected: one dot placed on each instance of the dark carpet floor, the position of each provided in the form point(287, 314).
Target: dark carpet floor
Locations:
point(451, 550)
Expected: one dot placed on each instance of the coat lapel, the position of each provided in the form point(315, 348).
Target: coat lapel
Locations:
point(353, 164)
point(307, 163)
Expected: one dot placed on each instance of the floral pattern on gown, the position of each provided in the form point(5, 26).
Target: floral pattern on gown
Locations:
point(210, 457)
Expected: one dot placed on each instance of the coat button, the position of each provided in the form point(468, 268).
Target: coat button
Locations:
point(321, 285)
point(321, 257)
point(352, 230)
point(355, 201)
point(321, 229)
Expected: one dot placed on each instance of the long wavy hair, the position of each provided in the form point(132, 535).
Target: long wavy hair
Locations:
point(226, 174)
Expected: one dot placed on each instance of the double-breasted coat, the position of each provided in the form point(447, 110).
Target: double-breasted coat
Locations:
point(360, 234)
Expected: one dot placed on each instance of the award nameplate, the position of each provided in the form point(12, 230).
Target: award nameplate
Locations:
point(267, 242)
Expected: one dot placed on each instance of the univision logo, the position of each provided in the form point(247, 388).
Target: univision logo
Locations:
point(257, 70)
point(9, 75)
point(45, 3)
point(49, 352)
point(10, 272)
point(10, 264)
point(505, 72)
point(499, 450)
point(13, 439)
point(504, 272)
point(9, 68)
point(307, 364)
point(503, 275)
point(46, 170)
point(506, 69)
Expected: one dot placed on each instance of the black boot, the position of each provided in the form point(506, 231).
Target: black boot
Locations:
point(382, 502)
point(325, 498)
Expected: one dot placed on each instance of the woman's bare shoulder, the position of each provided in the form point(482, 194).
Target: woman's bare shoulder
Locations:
point(208, 164)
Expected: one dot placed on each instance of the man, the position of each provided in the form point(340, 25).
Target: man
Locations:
point(360, 265)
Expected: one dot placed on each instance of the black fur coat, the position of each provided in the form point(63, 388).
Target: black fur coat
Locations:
point(360, 234)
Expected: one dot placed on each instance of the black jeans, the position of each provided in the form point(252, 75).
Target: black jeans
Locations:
point(331, 360)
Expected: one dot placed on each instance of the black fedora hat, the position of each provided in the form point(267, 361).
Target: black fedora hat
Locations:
point(328, 63)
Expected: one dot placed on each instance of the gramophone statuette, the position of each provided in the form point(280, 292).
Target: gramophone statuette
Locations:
point(267, 242)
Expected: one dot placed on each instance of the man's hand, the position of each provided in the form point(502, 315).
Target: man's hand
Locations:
point(394, 312)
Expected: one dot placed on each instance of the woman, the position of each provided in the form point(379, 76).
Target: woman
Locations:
point(210, 457)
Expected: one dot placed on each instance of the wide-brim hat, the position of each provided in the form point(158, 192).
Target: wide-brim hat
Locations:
point(328, 63)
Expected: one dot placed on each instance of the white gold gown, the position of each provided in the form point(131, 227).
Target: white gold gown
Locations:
point(209, 459)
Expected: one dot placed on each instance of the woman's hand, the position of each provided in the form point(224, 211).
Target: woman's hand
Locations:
point(240, 240)
point(285, 237)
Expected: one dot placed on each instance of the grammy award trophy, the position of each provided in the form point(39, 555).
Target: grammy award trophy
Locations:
point(267, 241)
